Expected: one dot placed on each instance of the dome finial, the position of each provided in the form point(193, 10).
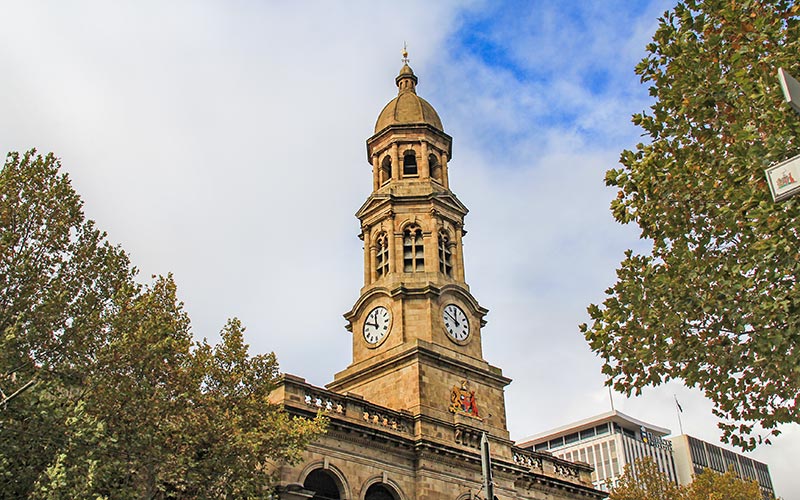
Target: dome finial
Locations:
point(406, 81)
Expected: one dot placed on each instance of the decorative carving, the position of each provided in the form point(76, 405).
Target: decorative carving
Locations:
point(324, 403)
point(467, 437)
point(528, 460)
point(462, 400)
point(383, 420)
point(565, 470)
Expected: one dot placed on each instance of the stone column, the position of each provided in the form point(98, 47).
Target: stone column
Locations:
point(445, 176)
point(390, 244)
point(424, 167)
point(376, 174)
point(373, 255)
point(398, 254)
point(365, 234)
point(458, 255)
point(397, 168)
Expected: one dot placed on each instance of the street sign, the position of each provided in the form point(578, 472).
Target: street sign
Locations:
point(784, 178)
point(791, 89)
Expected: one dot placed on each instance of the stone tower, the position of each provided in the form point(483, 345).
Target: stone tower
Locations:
point(416, 327)
point(407, 415)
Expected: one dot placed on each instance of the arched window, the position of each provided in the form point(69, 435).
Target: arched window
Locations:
point(382, 255)
point(322, 484)
point(385, 173)
point(413, 250)
point(410, 162)
point(379, 492)
point(445, 254)
point(435, 168)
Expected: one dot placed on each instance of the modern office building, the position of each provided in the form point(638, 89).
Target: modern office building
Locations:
point(693, 455)
point(608, 442)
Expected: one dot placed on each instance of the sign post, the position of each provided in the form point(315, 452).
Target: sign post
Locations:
point(486, 466)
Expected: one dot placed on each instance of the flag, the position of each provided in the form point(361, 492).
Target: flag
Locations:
point(680, 409)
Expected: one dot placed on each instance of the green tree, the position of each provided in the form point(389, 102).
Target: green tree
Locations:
point(58, 280)
point(644, 481)
point(716, 300)
point(124, 403)
point(710, 485)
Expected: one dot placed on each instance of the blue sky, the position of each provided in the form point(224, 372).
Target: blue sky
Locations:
point(581, 58)
point(225, 142)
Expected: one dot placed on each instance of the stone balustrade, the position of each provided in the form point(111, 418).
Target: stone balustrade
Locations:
point(295, 393)
point(547, 464)
point(347, 406)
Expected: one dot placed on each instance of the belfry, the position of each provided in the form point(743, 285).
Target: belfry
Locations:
point(407, 414)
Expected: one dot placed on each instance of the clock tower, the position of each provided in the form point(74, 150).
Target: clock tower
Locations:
point(416, 328)
point(409, 416)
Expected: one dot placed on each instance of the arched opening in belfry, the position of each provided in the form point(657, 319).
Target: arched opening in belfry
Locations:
point(382, 255)
point(445, 254)
point(380, 492)
point(410, 163)
point(323, 485)
point(435, 168)
point(385, 173)
point(413, 250)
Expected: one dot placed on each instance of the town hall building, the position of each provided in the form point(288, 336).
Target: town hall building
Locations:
point(407, 415)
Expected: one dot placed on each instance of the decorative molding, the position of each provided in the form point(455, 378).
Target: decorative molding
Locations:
point(384, 420)
point(529, 460)
point(467, 436)
point(324, 402)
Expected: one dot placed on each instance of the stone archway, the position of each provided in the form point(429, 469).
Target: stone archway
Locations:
point(380, 491)
point(323, 484)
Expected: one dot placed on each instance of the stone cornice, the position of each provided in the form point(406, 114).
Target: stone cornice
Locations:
point(399, 288)
point(382, 200)
point(419, 351)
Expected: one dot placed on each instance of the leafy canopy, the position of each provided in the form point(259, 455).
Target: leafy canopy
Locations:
point(644, 481)
point(105, 394)
point(716, 300)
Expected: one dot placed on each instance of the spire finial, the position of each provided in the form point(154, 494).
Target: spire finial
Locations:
point(405, 53)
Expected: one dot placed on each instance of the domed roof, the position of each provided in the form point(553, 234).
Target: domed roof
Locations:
point(408, 108)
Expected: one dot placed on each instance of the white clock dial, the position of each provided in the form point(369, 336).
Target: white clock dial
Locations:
point(456, 323)
point(376, 325)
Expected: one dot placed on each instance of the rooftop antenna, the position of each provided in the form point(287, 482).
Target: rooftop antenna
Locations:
point(405, 53)
point(678, 410)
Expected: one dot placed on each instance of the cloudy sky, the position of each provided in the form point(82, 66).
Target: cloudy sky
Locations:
point(225, 142)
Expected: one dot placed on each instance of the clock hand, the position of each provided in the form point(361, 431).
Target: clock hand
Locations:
point(371, 324)
point(451, 316)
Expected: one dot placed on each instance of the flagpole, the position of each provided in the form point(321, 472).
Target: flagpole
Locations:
point(610, 398)
point(678, 410)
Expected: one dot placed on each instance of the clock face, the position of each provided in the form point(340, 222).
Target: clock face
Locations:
point(376, 326)
point(456, 323)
